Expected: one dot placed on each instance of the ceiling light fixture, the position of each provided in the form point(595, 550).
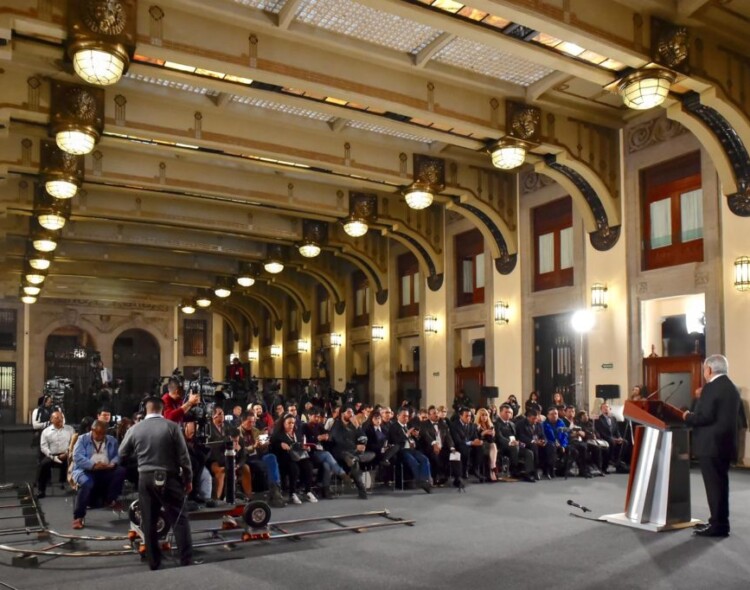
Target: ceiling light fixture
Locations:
point(28, 299)
point(354, 227)
point(39, 261)
point(32, 290)
point(101, 41)
point(35, 277)
point(187, 307)
point(203, 301)
point(309, 250)
point(274, 259)
point(419, 196)
point(507, 154)
point(646, 88)
point(76, 116)
point(62, 172)
point(222, 289)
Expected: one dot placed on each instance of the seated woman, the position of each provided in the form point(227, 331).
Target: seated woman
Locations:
point(486, 430)
point(287, 446)
point(533, 402)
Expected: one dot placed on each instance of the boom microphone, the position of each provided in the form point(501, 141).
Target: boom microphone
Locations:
point(575, 505)
point(672, 393)
point(658, 390)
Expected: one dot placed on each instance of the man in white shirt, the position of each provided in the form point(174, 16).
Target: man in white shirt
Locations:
point(54, 447)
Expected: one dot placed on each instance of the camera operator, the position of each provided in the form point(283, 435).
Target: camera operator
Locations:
point(199, 454)
point(219, 433)
point(174, 408)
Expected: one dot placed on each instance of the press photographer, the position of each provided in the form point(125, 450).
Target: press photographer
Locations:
point(174, 406)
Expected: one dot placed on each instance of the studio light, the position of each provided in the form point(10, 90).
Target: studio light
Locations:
point(507, 154)
point(419, 196)
point(645, 89)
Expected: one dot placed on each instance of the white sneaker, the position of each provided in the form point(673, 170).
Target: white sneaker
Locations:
point(294, 498)
point(311, 497)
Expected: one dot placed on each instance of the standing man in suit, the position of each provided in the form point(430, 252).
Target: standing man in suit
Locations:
point(714, 423)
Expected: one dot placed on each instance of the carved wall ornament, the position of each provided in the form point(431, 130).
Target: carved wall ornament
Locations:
point(652, 132)
point(107, 17)
point(533, 181)
point(523, 121)
point(429, 170)
point(669, 44)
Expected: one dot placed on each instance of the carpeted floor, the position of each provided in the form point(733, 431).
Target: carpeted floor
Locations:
point(505, 535)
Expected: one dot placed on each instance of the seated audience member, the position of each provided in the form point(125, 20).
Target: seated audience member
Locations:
point(40, 418)
point(294, 464)
point(559, 402)
point(386, 415)
point(533, 403)
point(467, 441)
point(278, 412)
point(331, 420)
point(199, 456)
point(558, 443)
point(219, 432)
point(317, 438)
point(608, 430)
point(235, 418)
point(510, 445)
point(96, 471)
point(598, 449)
point(531, 437)
point(264, 419)
point(263, 464)
point(437, 444)
point(443, 414)
point(486, 432)
point(174, 408)
point(349, 447)
point(83, 428)
point(377, 440)
point(461, 400)
point(405, 438)
point(104, 414)
point(514, 405)
point(577, 443)
point(53, 444)
point(291, 408)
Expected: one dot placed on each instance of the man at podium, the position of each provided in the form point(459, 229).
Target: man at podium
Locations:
point(714, 423)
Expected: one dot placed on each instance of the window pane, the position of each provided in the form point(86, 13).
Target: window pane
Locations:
point(8, 327)
point(691, 215)
point(566, 248)
point(194, 334)
point(406, 290)
point(546, 253)
point(480, 270)
point(661, 223)
point(416, 288)
point(468, 275)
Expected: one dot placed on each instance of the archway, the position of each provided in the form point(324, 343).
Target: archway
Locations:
point(137, 360)
point(70, 371)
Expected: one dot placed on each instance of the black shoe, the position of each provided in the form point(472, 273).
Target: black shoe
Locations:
point(530, 479)
point(362, 494)
point(537, 477)
point(385, 463)
point(712, 531)
point(191, 561)
point(41, 494)
point(425, 485)
point(700, 527)
point(155, 566)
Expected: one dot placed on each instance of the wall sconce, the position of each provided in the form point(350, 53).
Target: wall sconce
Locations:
point(101, 42)
point(61, 172)
point(252, 354)
point(76, 116)
point(502, 313)
point(275, 351)
point(378, 333)
point(337, 339)
point(742, 273)
point(598, 296)
point(222, 289)
point(363, 208)
point(203, 300)
point(430, 324)
point(303, 346)
point(187, 307)
point(274, 259)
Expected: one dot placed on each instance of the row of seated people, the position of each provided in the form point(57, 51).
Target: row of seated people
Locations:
point(429, 446)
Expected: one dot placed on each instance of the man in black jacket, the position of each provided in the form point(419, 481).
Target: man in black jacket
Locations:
point(510, 445)
point(531, 437)
point(404, 437)
point(714, 425)
point(348, 444)
point(607, 430)
point(436, 443)
point(467, 442)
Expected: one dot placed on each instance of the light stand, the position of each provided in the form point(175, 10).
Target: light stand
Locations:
point(582, 322)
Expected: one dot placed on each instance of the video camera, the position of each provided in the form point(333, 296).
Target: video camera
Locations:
point(58, 388)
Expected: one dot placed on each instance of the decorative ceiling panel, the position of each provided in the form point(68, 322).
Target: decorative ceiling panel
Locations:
point(282, 108)
point(386, 131)
point(172, 84)
point(367, 24)
point(485, 60)
point(273, 6)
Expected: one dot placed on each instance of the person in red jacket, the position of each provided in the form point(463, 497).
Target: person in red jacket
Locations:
point(174, 408)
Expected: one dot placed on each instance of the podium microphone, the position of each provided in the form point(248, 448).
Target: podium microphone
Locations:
point(650, 395)
point(675, 391)
point(571, 503)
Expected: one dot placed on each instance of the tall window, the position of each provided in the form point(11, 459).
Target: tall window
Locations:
point(195, 337)
point(553, 244)
point(470, 268)
point(361, 287)
point(8, 327)
point(672, 212)
point(409, 284)
point(324, 310)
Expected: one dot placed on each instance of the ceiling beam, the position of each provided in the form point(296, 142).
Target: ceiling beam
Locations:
point(424, 56)
point(287, 13)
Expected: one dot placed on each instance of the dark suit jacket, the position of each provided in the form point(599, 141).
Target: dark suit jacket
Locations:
point(606, 428)
point(503, 432)
point(527, 432)
point(427, 436)
point(375, 440)
point(463, 435)
point(715, 419)
point(396, 436)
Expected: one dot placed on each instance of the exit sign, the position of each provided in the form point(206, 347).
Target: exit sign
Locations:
point(608, 365)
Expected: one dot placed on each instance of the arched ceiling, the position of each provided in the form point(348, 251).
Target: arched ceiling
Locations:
point(240, 118)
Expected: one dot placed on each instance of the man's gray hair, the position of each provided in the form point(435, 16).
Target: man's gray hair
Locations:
point(718, 364)
point(99, 424)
